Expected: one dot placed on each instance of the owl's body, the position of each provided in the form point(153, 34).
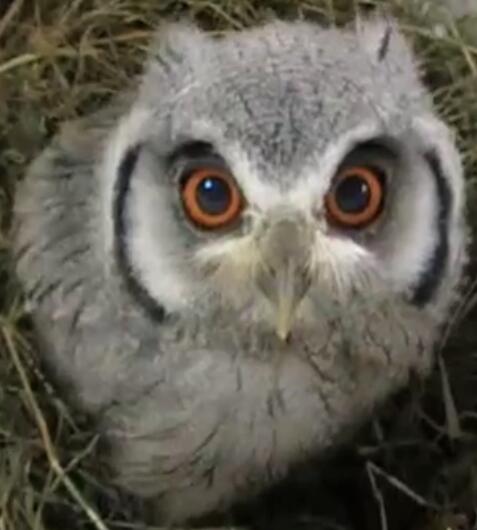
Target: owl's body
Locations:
point(214, 355)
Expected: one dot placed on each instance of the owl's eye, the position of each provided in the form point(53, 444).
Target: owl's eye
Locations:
point(356, 197)
point(211, 198)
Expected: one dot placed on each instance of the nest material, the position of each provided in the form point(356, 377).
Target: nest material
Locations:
point(414, 466)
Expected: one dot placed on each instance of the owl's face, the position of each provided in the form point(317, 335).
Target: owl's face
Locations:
point(288, 211)
point(279, 178)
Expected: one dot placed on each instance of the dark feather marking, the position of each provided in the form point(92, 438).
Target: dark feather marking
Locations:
point(196, 455)
point(76, 316)
point(373, 339)
point(385, 44)
point(75, 253)
point(209, 475)
point(65, 175)
point(22, 250)
point(270, 406)
point(176, 57)
point(66, 166)
point(309, 355)
point(47, 291)
point(132, 283)
point(73, 286)
point(51, 206)
point(56, 240)
point(432, 276)
point(165, 65)
point(274, 400)
point(280, 399)
point(246, 106)
point(134, 400)
point(323, 378)
point(238, 378)
point(31, 292)
point(270, 464)
point(323, 396)
point(206, 441)
point(319, 388)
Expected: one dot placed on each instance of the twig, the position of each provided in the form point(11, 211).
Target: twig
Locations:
point(223, 13)
point(76, 460)
point(399, 485)
point(20, 60)
point(454, 430)
point(28, 58)
point(9, 15)
point(465, 305)
point(465, 51)
point(132, 526)
point(431, 36)
point(377, 495)
point(46, 437)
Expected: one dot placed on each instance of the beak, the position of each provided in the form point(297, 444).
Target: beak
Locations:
point(291, 286)
point(284, 276)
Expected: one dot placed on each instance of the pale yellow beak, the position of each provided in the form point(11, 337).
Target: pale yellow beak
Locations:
point(285, 276)
point(288, 299)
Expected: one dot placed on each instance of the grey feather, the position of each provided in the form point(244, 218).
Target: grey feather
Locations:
point(202, 399)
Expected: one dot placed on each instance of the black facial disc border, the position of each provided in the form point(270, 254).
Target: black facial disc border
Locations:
point(122, 187)
point(433, 275)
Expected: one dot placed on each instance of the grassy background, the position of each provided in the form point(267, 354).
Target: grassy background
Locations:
point(414, 467)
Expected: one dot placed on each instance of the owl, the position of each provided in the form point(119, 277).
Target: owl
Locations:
point(231, 266)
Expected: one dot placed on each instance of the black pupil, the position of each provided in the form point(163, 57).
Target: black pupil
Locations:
point(214, 195)
point(352, 194)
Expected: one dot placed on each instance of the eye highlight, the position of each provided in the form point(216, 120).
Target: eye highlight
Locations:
point(356, 197)
point(211, 198)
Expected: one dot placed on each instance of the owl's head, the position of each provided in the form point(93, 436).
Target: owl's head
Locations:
point(286, 206)
point(281, 172)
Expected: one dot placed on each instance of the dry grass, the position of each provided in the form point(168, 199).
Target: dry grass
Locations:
point(415, 467)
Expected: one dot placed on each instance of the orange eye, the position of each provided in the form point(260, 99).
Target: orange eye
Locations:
point(211, 198)
point(356, 197)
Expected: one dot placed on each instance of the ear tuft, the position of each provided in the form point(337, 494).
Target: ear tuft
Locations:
point(178, 36)
point(176, 53)
point(176, 44)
